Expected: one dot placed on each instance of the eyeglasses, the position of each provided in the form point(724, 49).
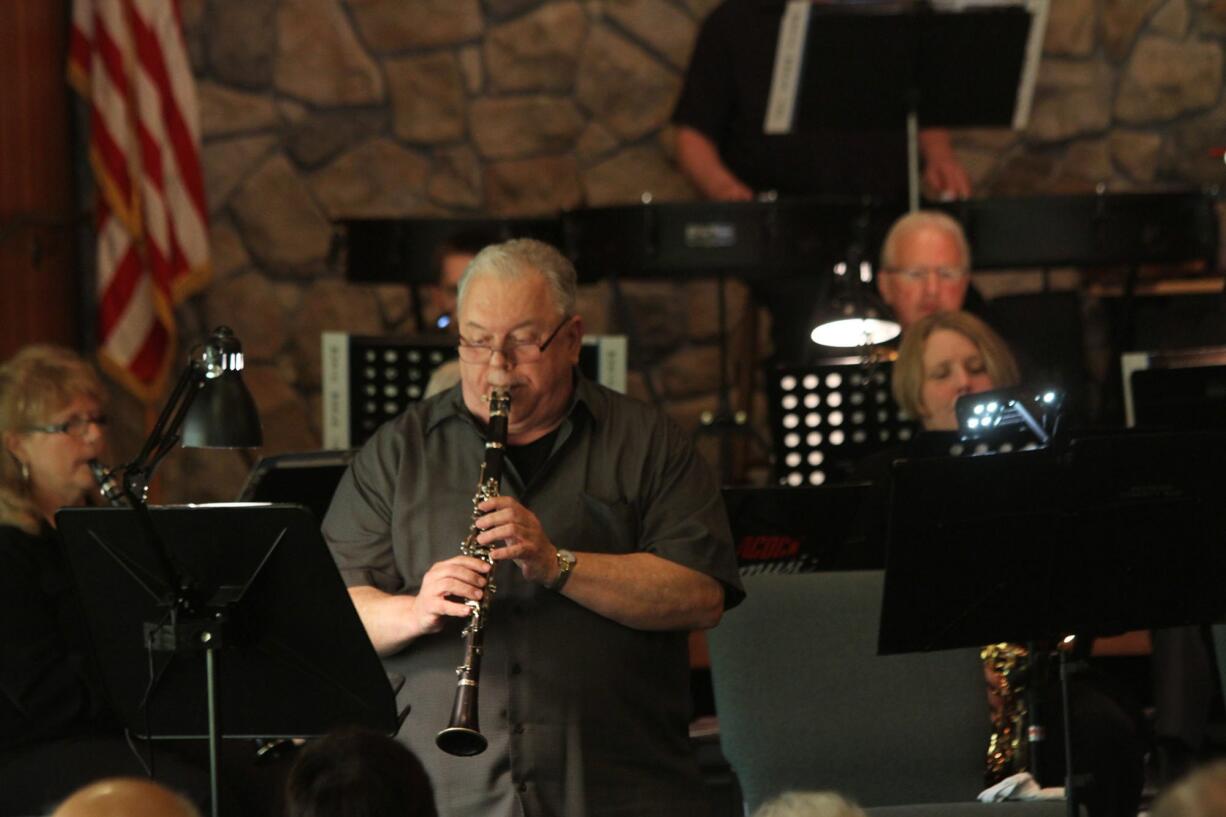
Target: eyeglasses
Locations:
point(524, 351)
point(917, 275)
point(74, 426)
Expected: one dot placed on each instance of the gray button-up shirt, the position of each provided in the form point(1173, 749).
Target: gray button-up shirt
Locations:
point(585, 717)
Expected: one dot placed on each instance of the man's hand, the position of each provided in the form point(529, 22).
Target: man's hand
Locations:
point(460, 577)
point(729, 188)
point(944, 176)
point(700, 162)
point(505, 520)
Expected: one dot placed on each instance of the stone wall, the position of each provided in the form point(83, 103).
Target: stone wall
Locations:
point(316, 110)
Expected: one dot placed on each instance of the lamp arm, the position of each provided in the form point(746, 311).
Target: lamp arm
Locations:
point(136, 475)
point(164, 435)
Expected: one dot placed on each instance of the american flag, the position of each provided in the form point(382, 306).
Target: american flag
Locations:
point(128, 59)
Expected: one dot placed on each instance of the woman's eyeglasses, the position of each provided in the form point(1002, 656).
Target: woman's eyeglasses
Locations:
point(74, 426)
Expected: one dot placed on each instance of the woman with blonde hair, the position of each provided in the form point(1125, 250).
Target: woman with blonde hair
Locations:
point(944, 356)
point(52, 425)
point(57, 730)
point(51, 699)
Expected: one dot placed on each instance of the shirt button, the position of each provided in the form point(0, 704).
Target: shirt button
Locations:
point(516, 669)
point(523, 787)
point(519, 729)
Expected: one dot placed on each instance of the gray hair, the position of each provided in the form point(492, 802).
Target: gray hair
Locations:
point(522, 256)
point(923, 220)
point(809, 804)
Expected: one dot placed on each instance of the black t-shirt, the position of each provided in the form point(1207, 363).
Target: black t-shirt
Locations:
point(529, 458)
point(725, 97)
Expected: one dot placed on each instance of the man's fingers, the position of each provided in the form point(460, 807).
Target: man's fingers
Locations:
point(455, 587)
point(469, 562)
point(507, 552)
point(454, 608)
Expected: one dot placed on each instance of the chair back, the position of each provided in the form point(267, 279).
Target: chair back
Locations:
point(804, 701)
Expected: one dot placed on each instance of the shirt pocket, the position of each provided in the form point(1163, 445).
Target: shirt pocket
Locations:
point(607, 527)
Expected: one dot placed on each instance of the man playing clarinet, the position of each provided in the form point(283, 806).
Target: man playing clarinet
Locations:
point(609, 543)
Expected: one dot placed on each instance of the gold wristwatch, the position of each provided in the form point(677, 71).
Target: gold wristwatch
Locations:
point(566, 563)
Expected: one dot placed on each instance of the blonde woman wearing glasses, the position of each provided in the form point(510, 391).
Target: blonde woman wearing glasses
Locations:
point(57, 731)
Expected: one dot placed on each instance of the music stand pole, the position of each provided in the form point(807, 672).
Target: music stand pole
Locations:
point(913, 171)
point(210, 671)
point(724, 421)
point(1070, 784)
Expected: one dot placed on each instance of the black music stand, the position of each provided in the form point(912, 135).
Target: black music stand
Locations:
point(307, 478)
point(826, 418)
point(273, 649)
point(1096, 536)
point(401, 251)
point(918, 66)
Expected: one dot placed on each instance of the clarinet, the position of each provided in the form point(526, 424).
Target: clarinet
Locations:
point(108, 484)
point(463, 736)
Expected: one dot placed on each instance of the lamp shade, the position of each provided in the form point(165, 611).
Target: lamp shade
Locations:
point(222, 413)
point(854, 319)
point(854, 331)
point(854, 315)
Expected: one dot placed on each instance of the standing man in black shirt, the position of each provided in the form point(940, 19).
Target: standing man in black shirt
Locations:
point(723, 151)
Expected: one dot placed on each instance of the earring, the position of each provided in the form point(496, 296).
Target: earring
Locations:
point(25, 472)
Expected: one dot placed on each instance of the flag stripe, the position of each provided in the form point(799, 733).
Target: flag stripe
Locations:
point(129, 59)
point(179, 136)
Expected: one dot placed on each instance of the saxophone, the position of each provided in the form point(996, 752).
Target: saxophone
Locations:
point(462, 735)
point(1007, 668)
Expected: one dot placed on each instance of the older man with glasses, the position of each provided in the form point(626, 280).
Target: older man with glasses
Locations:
point(610, 542)
point(925, 266)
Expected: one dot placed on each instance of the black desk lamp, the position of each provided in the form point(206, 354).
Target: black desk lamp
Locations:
point(854, 315)
point(209, 407)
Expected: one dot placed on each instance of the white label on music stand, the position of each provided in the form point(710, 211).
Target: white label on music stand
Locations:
point(785, 79)
point(1030, 67)
point(335, 356)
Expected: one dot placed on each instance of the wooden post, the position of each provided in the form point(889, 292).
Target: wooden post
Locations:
point(41, 285)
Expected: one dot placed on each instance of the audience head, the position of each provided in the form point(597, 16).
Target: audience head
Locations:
point(125, 797)
point(944, 356)
point(809, 804)
point(519, 330)
point(1200, 794)
point(451, 258)
point(925, 266)
point(358, 773)
point(52, 425)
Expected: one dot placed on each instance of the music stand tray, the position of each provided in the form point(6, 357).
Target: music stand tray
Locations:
point(293, 659)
